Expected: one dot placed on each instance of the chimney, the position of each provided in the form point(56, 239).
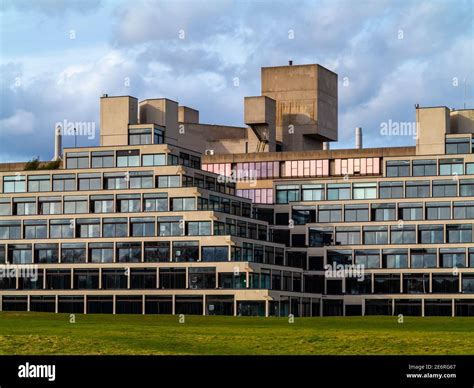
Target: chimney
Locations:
point(290, 63)
point(326, 146)
point(358, 134)
point(58, 143)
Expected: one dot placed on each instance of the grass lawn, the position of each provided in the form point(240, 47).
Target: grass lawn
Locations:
point(52, 334)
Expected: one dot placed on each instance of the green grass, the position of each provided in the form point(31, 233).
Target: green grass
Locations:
point(52, 334)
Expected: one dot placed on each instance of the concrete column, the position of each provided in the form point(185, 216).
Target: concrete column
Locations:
point(267, 303)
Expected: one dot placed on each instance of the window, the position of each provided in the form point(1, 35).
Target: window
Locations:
point(368, 258)
point(392, 258)
point(172, 278)
point(458, 145)
point(129, 252)
point(467, 187)
point(86, 279)
point(430, 234)
point(398, 168)
point(347, 236)
point(445, 284)
point(170, 226)
point(128, 158)
point(387, 284)
point(116, 181)
point(143, 227)
point(75, 205)
point(89, 181)
point(61, 228)
point(302, 215)
point(20, 254)
point(155, 202)
point(424, 168)
point(417, 189)
point(470, 168)
point(88, 227)
point(375, 235)
point(185, 251)
point(445, 188)
point(46, 253)
point(463, 210)
point(423, 258)
point(356, 213)
point(286, 194)
point(337, 191)
point(64, 182)
point(438, 211)
point(138, 136)
point(459, 233)
point(168, 181)
point(102, 159)
point(329, 213)
point(199, 228)
point(306, 168)
point(5, 207)
point(154, 160)
point(215, 253)
point(102, 203)
point(403, 235)
point(157, 251)
point(38, 183)
point(312, 192)
point(384, 212)
point(451, 167)
point(159, 135)
point(364, 190)
point(141, 179)
point(410, 211)
point(14, 184)
point(183, 204)
point(35, 229)
point(391, 189)
point(101, 252)
point(343, 257)
point(10, 230)
point(128, 203)
point(114, 279)
point(416, 283)
point(452, 257)
point(49, 205)
point(73, 253)
point(189, 160)
point(24, 206)
point(115, 227)
point(77, 160)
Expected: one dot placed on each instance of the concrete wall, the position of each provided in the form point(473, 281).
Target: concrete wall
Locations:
point(462, 121)
point(116, 113)
point(432, 125)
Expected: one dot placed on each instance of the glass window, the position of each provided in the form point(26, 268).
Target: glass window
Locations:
point(88, 227)
point(24, 206)
point(138, 136)
point(154, 160)
point(459, 233)
point(102, 159)
point(438, 211)
point(183, 204)
point(329, 213)
point(155, 202)
point(410, 211)
point(116, 181)
point(77, 160)
point(356, 213)
point(443, 188)
point(102, 203)
point(185, 251)
point(375, 235)
point(452, 257)
point(35, 229)
point(368, 258)
point(392, 258)
point(46, 253)
point(347, 236)
point(384, 212)
point(423, 258)
point(89, 181)
point(402, 234)
point(61, 228)
point(128, 203)
point(129, 252)
point(364, 190)
point(49, 205)
point(143, 227)
point(128, 158)
point(391, 189)
point(5, 207)
point(169, 181)
point(424, 168)
point(470, 168)
point(215, 253)
point(430, 234)
point(339, 191)
point(170, 226)
point(463, 210)
point(141, 179)
point(458, 145)
point(64, 182)
point(101, 253)
point(39, 183)
point(75, 205)
point(157, 251)
point(312, 192)
point(451, 167)
point(467, 187)
point(417, 189)
point(14, 184)
point(10, 230)
point(286, 194)
point(199, 228)
point(115, 227)
point(303, 214)
point(73, 253)
point(398, 168)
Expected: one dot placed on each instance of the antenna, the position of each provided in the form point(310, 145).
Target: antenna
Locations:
point(75, 138)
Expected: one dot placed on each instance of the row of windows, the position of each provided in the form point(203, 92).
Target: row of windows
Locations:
point(382, 235)
point(415, 258)
point(404, 211)
point(428, 167)
point(368, 190)
point(128, 158)
point(128, 227)
point(126, 203)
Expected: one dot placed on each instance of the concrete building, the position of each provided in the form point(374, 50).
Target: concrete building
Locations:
point(170, 215)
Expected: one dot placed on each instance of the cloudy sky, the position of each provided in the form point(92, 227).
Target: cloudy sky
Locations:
point(57, 58)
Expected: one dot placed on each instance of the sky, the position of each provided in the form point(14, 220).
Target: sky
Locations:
point(58, 57)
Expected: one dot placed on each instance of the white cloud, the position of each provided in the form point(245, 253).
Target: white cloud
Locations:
point(20, 123)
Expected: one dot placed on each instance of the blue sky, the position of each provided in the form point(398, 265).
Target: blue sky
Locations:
point(389, 55)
